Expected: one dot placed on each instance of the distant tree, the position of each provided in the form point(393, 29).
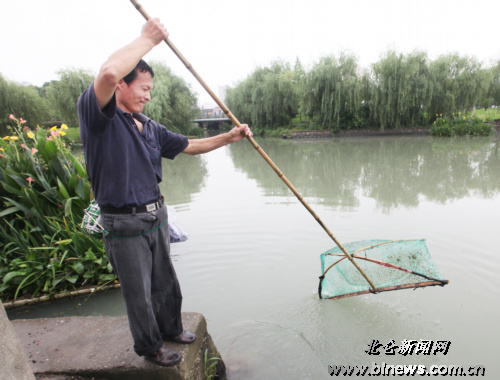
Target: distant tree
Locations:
point(299, 75)
point(494, 90)
point(173, 103)
point(63, 94)
point(281, 97)
point(267, 98)
point(400, 90)
point(458, 84)
point(332, 92)
point(21, 101)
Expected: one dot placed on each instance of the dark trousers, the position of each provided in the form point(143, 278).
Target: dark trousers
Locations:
point(138, 247)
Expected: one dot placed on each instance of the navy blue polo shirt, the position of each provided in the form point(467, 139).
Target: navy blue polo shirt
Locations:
point(123, 164)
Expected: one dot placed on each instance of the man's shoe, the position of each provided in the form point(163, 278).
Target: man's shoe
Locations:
point(164, 357)
point(186, 337)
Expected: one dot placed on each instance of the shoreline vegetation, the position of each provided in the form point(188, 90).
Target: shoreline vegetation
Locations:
point(44, 188)
point(44, 191)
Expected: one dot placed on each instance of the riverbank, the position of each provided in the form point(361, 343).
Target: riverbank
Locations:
point(417, 131)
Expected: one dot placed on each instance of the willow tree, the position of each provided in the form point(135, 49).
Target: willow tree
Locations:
point(267, 98)
point(238, 100)
point(63, 94)
point(400, 90)
point(494, 90)
point(458, 83)
point(21, 101)
point(172, 103)
point(281, 97)
point(332, 92)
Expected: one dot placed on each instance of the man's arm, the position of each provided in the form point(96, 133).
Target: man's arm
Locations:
point(123, 61)
point(199, 146)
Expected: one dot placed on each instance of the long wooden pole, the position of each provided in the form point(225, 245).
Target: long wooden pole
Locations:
point(253, 142)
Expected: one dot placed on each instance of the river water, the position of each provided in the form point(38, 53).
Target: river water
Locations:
point(251, 264)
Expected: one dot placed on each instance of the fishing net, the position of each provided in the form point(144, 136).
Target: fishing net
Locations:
point(390, 265)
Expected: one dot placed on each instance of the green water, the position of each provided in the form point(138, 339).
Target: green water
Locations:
point(251, 265)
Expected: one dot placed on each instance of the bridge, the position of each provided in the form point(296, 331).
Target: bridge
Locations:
point(212, 123)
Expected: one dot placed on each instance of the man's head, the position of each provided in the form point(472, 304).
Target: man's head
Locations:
point(133, 91)
point(141, 67)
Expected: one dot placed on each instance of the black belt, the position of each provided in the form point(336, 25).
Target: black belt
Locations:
point(131, 210)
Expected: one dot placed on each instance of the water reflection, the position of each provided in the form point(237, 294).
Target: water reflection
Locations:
point(182, 177)
point(394, 171)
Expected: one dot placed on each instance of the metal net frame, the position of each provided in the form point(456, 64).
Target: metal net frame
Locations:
point(389, 264)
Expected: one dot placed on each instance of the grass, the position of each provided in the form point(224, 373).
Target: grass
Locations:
point(487, 115)
point(73, 134)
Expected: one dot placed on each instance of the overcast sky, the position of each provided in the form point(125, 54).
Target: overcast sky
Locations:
point(226, 40)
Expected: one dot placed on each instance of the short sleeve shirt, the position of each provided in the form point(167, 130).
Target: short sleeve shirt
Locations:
point(123, 164)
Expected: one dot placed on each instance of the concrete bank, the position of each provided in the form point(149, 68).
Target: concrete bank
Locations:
point(102, 348)
point(13, 362)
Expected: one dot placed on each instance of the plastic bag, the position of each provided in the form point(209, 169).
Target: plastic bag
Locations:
point(176, 233)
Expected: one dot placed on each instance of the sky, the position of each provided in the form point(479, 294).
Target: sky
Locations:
point(225, 40)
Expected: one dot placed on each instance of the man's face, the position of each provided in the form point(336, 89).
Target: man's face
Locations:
point(133, 97)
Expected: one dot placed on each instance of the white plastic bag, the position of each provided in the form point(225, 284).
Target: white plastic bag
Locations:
point(176, 233)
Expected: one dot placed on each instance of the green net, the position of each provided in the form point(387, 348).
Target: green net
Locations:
point(390, 265)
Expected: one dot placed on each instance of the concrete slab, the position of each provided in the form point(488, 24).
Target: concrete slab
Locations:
point(13, 363)
point(102, 348)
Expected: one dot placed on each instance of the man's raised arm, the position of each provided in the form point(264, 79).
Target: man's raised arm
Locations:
point(124, 60)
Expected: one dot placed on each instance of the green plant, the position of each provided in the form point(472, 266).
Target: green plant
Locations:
point(44, 190)
point(210, 369)
point(459, 125)
point(73, 134)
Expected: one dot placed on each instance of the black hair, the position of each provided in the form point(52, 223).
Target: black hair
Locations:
point(142, 67)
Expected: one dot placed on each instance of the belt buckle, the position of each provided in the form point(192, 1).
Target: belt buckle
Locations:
point(151, 207)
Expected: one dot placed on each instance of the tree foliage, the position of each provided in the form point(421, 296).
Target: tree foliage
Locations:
point(332, 92)
point(494, 89)
point(172, 104)
point(400, 90)
point(23, 100)
point(62, 95)
point(458, 84)
point(268, 98)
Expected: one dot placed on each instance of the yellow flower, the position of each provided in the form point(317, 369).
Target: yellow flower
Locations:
point(13, 138)
point(7, 138)
point(2, 149)
point(62, 133)
point(31, 135)
point(64, 127)
point(53, 128)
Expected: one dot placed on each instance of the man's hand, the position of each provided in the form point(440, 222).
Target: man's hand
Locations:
point(154, 31)
point(200, 146)
point(239, 133)
point(123, 61)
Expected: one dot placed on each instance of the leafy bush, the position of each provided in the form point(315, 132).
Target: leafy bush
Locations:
point(44, 190)
point(458, 125)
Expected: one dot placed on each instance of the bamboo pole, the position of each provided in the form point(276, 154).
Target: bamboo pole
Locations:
point(74, 293)
point(254, 144)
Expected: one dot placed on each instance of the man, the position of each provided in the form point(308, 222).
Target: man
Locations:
point(123, 151)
